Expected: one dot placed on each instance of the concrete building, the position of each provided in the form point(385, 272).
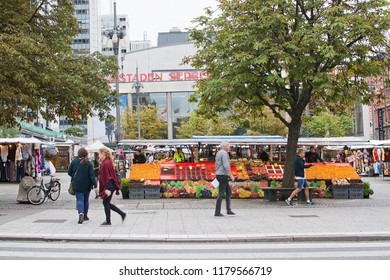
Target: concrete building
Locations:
point(174, 36)
point(166, 83)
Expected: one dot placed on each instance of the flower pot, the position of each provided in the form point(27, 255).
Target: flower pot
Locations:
point(366, 196)
point(125, 194)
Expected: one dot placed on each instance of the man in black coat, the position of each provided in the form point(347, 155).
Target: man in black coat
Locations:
point(139, 157)
point(312, 156)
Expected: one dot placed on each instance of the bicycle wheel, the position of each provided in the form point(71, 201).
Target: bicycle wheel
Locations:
point(36, 195)
point(55, 190)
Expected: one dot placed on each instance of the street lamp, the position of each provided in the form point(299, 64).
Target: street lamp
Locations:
point(115, 35)
point(137, 85)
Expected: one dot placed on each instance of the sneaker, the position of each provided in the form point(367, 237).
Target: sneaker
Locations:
point(86, 218)
point(81, 218)
point(106, 224)
point(218, 215)
point(231, 213)
point(289, 202)
point(310, 203)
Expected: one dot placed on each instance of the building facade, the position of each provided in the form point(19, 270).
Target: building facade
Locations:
point(174, 36)
point(166, 83)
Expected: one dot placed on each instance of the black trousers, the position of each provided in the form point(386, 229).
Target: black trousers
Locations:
point(223, 188)
point(108, 207)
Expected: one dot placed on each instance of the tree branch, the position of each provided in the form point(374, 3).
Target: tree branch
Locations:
point(273, 108)
point(36, 11)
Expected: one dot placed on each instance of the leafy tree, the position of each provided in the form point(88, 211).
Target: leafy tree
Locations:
point(39, 73)
point(9, 132)
point(153, 126)
point(283, 53)
point(74, 131)
point(261, 123)
point(327, 124)
point(198, 124)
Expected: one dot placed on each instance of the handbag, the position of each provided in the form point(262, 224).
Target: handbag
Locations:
point(70, 189)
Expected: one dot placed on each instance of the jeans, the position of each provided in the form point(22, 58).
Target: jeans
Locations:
point(82, 202)
point(223, 188)
point(108, 207)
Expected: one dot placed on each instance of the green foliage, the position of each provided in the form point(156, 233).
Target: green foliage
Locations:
point(283, 54)
point(39, 73)
point(198, 124)
point(261, 123)
point(367, 191)
point(153, 126)
point(326, 124)
point(125, 184)
point(74, 131)
point(9, 132)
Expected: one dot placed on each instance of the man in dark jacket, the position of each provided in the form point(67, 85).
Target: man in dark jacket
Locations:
point(139, 157)
point(299, 167)
point(312, 156)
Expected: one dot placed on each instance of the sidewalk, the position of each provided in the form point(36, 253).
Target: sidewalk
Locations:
point(190, 220)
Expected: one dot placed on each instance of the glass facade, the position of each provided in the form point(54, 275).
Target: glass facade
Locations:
point(181, 107)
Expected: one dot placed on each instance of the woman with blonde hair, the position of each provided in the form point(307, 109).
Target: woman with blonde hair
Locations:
point(108, 184)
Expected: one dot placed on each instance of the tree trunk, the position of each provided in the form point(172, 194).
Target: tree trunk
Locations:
point(292, 144)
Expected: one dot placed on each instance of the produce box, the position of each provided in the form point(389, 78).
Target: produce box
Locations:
point(340, 192)
point(136, 192)
point(356, 191)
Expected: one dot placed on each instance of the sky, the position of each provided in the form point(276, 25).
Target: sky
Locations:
point(153, 16)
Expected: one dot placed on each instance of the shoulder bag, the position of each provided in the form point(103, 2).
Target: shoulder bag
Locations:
point(71, 190)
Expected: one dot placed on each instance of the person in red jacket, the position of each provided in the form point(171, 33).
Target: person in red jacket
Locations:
point(108, 184)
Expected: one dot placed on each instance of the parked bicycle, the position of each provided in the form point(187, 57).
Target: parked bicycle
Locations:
point(38, 194)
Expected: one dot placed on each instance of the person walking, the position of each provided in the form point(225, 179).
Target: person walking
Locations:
point(83, 180)
point(96, 165)
point(108, 184)
point(222, 170)
point(299, 167)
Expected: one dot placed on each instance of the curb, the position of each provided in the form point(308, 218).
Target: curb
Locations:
point(367, 237)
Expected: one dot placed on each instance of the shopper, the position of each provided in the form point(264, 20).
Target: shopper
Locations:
point(312, 156)
point(299, 167)
point(222, 170)
point(108, 184)
point(83, 180)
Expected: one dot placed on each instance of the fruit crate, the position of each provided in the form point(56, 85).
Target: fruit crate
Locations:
point(356, 191)
point(340, 192)
point(136, 192)
point(152, 195)
point(150, 190)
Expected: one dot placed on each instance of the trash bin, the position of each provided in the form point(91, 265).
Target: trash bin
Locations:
point(25, 184)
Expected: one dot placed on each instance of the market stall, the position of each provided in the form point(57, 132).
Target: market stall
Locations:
point(20, 157)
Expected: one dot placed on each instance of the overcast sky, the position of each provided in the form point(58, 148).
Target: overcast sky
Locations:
point(153, 16)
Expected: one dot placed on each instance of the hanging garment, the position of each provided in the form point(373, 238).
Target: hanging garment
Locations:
point(4, 152)
point(18, 154)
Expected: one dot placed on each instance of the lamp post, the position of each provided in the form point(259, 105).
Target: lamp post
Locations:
point(137, 85)
point(116, 34)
